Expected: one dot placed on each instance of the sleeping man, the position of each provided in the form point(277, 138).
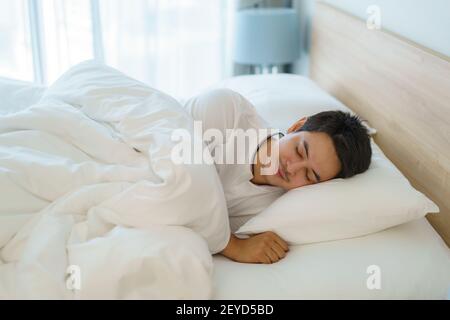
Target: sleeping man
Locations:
point(322, 147)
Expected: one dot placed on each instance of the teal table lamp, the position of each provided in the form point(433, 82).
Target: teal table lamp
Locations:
point(266, 38)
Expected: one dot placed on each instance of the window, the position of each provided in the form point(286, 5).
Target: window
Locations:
point(16, 58)
point(171, 45)
point(67, 35)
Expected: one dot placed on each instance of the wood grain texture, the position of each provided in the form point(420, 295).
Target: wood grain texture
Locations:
point(402, 89)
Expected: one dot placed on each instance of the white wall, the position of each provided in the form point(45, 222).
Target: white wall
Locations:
point(426, 22)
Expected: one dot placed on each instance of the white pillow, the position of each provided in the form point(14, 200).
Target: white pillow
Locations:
point(370, 202)
point(344, 208)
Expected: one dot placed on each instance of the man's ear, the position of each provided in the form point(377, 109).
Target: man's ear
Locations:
point(296, 126)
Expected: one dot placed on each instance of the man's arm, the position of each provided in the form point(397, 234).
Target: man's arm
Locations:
point(265, 248)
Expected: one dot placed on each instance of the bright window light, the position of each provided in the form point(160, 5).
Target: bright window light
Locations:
point(171, 44)
point(177, 46)
point(67, 28)
point(16, 58)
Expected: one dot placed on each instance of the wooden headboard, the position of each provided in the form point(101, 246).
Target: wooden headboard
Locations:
point(402, 89)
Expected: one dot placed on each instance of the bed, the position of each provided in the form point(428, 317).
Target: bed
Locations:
point(402, 90)
point(413, 259)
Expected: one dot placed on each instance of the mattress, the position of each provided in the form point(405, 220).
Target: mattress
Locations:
point(409, 261)
point(412, 260)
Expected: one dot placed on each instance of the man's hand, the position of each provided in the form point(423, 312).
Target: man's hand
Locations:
point(265, 248)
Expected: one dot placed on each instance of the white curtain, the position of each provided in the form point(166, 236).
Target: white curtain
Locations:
point(67, 35)
point(16, 59)
point(177, 46)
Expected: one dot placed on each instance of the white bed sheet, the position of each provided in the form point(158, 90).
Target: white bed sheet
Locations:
point(414, 263)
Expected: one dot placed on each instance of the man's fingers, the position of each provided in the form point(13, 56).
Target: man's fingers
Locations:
point(278, 250)
point(272, 255)
point(281, 242)
point(266, 259)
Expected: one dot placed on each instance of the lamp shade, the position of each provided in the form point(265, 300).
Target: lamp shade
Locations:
point(265, 36)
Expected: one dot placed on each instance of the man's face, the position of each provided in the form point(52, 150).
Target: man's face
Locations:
point(305, 158)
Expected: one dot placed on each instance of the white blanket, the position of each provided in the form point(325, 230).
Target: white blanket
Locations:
point(92, 205)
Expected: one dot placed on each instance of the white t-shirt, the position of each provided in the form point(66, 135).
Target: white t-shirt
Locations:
point(226, 109)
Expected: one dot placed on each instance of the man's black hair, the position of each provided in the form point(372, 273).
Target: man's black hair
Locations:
point(350, 138)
